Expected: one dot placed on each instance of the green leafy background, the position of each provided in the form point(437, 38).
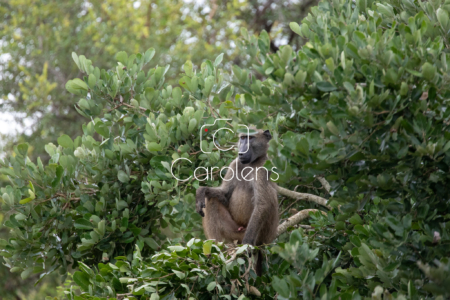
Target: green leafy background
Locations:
point(362, 104)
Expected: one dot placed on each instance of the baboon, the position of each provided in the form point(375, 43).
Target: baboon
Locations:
point(224, 228)
point(245, 206)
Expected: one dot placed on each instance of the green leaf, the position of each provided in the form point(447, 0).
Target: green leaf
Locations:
point(149, 55)
point(154, 296)
point(59, 173)
point(442, 17)
point(207, 247)
point(428, 71)
point(325, 86)
point(23, 149)
point(65, 141)
point(192, 125)
point(218, 60)
point(386, 10)
point(300, 77)
point(211, 286)
point(152, 146)
point(102, 129)
point(122, 57)
point(296, 237)
point(303, 146)
point(179, 274)
point(349, 87)
point(269, 70)
point(296, 28)
point(123, 177)
point(20, 217)
point(75, 59)
point(445, 149)
point(77, 87)
point(413, 72)
point(26, 200)
point(25, 274)
point(412, 292)
point(7, 171)
point(101, 227)
point(92, 80)
point(151, 243)
point(242, 249)
point(187, 67)
point(356, 220)
point(334, 130)
point(176, 248)
point(83, 224)
point(281, 286)
point(82, 280)
point(30, 184)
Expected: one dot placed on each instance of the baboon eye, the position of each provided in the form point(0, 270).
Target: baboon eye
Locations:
point(245, 137)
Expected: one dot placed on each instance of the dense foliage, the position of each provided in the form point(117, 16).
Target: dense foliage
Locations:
point(38, 37)
point(363, 104)
point(35, 50)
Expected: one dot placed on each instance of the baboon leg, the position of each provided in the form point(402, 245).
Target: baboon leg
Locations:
point(218, 223)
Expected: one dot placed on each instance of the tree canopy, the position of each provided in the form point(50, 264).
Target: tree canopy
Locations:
point(37, 39)
point(37, 49)
point(358, 116)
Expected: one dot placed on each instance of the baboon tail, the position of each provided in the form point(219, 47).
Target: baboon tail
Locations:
point(258, 267)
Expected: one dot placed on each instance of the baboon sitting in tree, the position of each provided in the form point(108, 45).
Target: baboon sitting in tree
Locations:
point(245, 206)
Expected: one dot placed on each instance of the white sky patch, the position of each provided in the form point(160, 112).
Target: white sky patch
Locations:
point(9, 126)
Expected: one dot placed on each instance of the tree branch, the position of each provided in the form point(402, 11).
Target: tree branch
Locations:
point(121, 296)
point(326, 185)
point(295, 219)
point(303, 196)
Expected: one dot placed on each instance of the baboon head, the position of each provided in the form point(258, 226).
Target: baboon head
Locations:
point(253, 146)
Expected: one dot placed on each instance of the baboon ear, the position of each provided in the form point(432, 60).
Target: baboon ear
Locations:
point(267, 135)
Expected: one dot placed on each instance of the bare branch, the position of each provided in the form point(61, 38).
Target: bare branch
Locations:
point(233, 257)
point(326, 185)
point(295, 219)
point(303, 196)
point(121, 296)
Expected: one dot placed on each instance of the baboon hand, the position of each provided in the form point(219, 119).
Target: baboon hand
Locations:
point(200, 206)
point(200, 201)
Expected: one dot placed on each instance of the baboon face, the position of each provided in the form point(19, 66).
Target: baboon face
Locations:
point(252, 147)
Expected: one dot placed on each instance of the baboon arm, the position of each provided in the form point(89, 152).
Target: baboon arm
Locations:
point(221, 193)
point(253, 228)
point(264, 216)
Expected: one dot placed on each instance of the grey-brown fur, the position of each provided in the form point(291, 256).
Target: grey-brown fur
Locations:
point(251, 204)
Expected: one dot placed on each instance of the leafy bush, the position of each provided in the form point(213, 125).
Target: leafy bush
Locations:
point(362, 104)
